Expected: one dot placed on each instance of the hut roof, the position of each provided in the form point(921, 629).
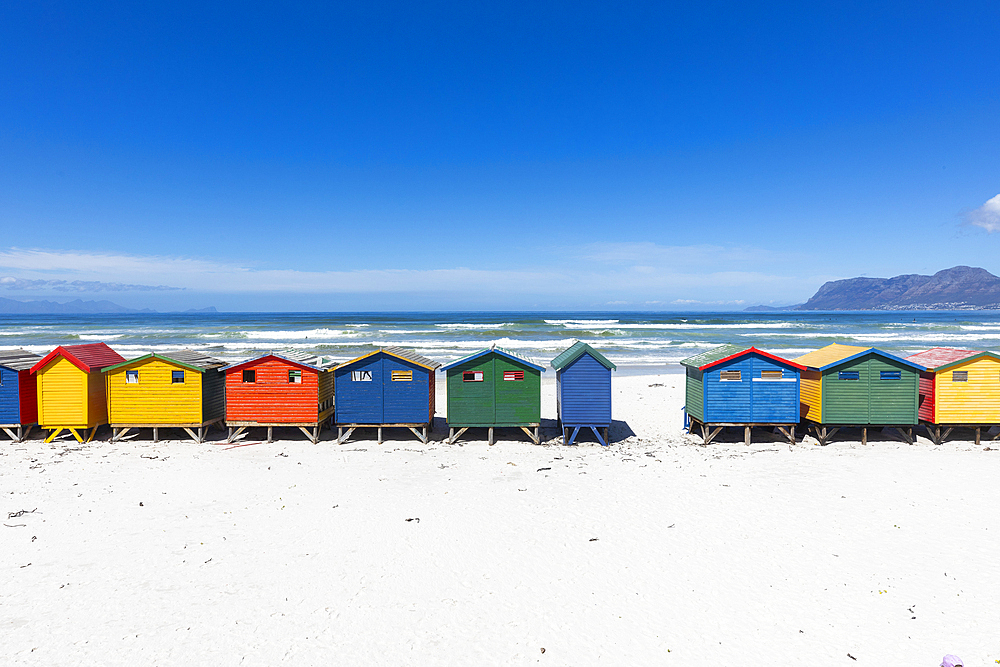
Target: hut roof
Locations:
point(940, 356)
point(18, 360)
point(577, 350)
point(943, 364)
point(499, 350)
point(401, 353)
point(89, 357)
point(836, 354)
point(724, 353)
point(303, 360)
point(195, 361)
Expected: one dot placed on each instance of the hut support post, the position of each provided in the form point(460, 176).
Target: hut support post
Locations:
point(235, 434)
point(309, 435)
point(27, 433)
point(156, 434)
point(977, 435)
point(194, 436)
point(746, 436)
point(788, 433)
point(538, 437)
point(380, 435)
point(604, 440)
point(270, 434)
point(534, 437)
point(906, 435)
point(490, 437)
point(864, 435)
point(453, 436)
point(52, 436)
point(606, 430)
point(93, 432)
point(15, 438)
point(422, 438)
point(201, 432)
point(341, 436)
point(76, 435)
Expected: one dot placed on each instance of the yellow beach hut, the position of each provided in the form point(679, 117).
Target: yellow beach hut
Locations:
point(181, 389)
point(71, 393)
point(959, 388)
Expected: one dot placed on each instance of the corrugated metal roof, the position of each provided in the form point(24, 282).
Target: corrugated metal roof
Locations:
point(314, 361)
point(575, 351)
point(18, 360)
point(400, 352)
point(707, 357)
point(832, 353)
point(498, 350)
point(88, 357)
point(939, 356)
point(194, 360)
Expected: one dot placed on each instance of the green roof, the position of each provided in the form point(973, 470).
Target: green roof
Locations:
point(575, 351)
point(721, 352)
point(189, 359)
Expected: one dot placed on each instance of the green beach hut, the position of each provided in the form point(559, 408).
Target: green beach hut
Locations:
point(494, 388)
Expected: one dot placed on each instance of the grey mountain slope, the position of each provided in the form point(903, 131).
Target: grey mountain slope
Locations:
point(960, 287)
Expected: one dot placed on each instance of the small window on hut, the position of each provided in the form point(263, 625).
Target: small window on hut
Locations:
point(295, 377)
point(131, 377)
point(960, 376)
point(361, 376)
point(249, 377)
point(731, 376)
point(176, 377)
point(771, 375)
point(890, 375)
point(472, 376)
point(513, 376)
point(849, 375)
point(402, 376)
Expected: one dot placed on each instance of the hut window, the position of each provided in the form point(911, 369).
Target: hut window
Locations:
point(731, 376)
point(472, 376)
point(295, 377)
point(402, 376)
point(131, 377)
point(361, 376)
point(849, 375)
point(960, 376)
point(249, 377)
point(771, 375)
point(513, 376)
point(176, 377)
point(890, 375)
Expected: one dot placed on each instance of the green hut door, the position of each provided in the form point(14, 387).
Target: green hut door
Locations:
point(846, 393)
point(892, 392)
point(471, 399)
point(517, 390)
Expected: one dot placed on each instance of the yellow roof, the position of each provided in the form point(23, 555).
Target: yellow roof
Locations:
point(825, 356)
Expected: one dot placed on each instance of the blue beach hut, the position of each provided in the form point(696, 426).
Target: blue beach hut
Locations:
point(391, 387)
point(733, 385)
point(583, 391)
point(18, 393)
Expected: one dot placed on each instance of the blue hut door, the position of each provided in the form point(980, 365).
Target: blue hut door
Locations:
point(404, 392)
point(728, 392)
point(775, 392)
point(364, 394)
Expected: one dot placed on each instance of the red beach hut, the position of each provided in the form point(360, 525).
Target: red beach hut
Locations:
point(287, 389)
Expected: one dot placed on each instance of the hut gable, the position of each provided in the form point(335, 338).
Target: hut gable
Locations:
point(388, 386)
point(741, 385)
point(18, 399)
point(88, 358)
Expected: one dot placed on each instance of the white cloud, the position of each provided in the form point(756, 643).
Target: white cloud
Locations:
point(986, 216)
point(593, 274)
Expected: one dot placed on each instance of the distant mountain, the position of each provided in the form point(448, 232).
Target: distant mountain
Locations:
point(12, 307)
point(957, 288)
point(210, 309)
point(770, 309)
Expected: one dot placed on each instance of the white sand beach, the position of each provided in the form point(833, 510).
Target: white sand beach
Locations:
point(653, 551)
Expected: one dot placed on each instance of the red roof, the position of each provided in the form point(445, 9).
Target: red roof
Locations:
point(89, 357)
point(939, 356)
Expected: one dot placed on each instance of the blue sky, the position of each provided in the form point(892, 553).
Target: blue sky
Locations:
point(441, 156)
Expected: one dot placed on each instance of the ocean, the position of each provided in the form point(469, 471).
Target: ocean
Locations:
point(636, 342)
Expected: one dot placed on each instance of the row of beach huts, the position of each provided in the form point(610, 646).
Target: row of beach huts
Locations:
point(78, 388)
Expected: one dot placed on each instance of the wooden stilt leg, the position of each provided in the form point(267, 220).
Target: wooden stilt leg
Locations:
point(201, 433)
point(977, 435)
point(864, 435)
point(380, 435)
point(426, 436)
point(156, 434)
point(606, 439)
point(195, 437)
point(52, 436)
point(340, 434)
point(792, 429)
point(270, 434)
point(490, 437)
point(316, 434)
point(230, 437)
point(746, 436)
point(451, 436)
